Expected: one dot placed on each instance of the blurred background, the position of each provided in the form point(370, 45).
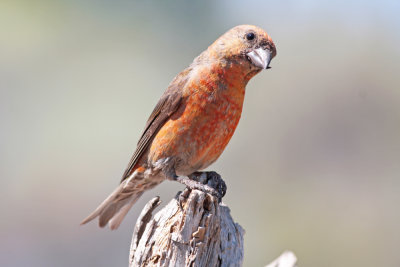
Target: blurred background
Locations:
point(313, 166)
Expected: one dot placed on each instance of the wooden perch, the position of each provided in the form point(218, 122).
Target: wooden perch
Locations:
point(194, 229)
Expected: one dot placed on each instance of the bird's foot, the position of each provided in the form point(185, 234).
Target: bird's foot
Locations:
point(193, 184)
point(212, 179)
point(208, 182)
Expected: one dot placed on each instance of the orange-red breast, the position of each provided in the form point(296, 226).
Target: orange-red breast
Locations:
point(194, 119)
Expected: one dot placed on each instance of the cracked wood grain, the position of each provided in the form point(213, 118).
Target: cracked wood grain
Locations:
point(192, 230)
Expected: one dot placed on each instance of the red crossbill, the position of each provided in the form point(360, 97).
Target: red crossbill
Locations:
point(194, 120)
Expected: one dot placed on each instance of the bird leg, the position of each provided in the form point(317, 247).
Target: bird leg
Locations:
point(208, 182)
point(212, 179)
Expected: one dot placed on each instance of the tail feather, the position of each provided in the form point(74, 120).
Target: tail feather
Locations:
point(114, 208)
point(100, 209)
point(120, 215)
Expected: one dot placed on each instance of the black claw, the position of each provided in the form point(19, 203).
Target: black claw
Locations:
point(210, 183)
point(216, 182)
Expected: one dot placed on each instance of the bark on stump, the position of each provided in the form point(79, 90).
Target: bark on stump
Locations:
point(192, 230)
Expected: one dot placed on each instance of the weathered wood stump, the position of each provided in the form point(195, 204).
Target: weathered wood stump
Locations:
point(194, 229)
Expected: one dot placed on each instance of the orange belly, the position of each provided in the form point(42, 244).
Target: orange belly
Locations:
point(198, 133)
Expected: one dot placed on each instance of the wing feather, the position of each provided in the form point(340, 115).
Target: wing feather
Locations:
point(166, 106)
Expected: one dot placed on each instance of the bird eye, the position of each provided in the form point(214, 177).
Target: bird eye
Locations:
point(250, 36)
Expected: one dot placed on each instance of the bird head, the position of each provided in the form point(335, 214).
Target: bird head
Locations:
point(247, 45)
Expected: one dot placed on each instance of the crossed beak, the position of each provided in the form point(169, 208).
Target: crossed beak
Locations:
point(260, 58)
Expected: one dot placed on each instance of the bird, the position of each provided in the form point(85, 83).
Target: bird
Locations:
point(193, 121)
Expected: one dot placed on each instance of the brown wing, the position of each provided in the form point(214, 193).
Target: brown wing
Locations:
point(165, 107)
